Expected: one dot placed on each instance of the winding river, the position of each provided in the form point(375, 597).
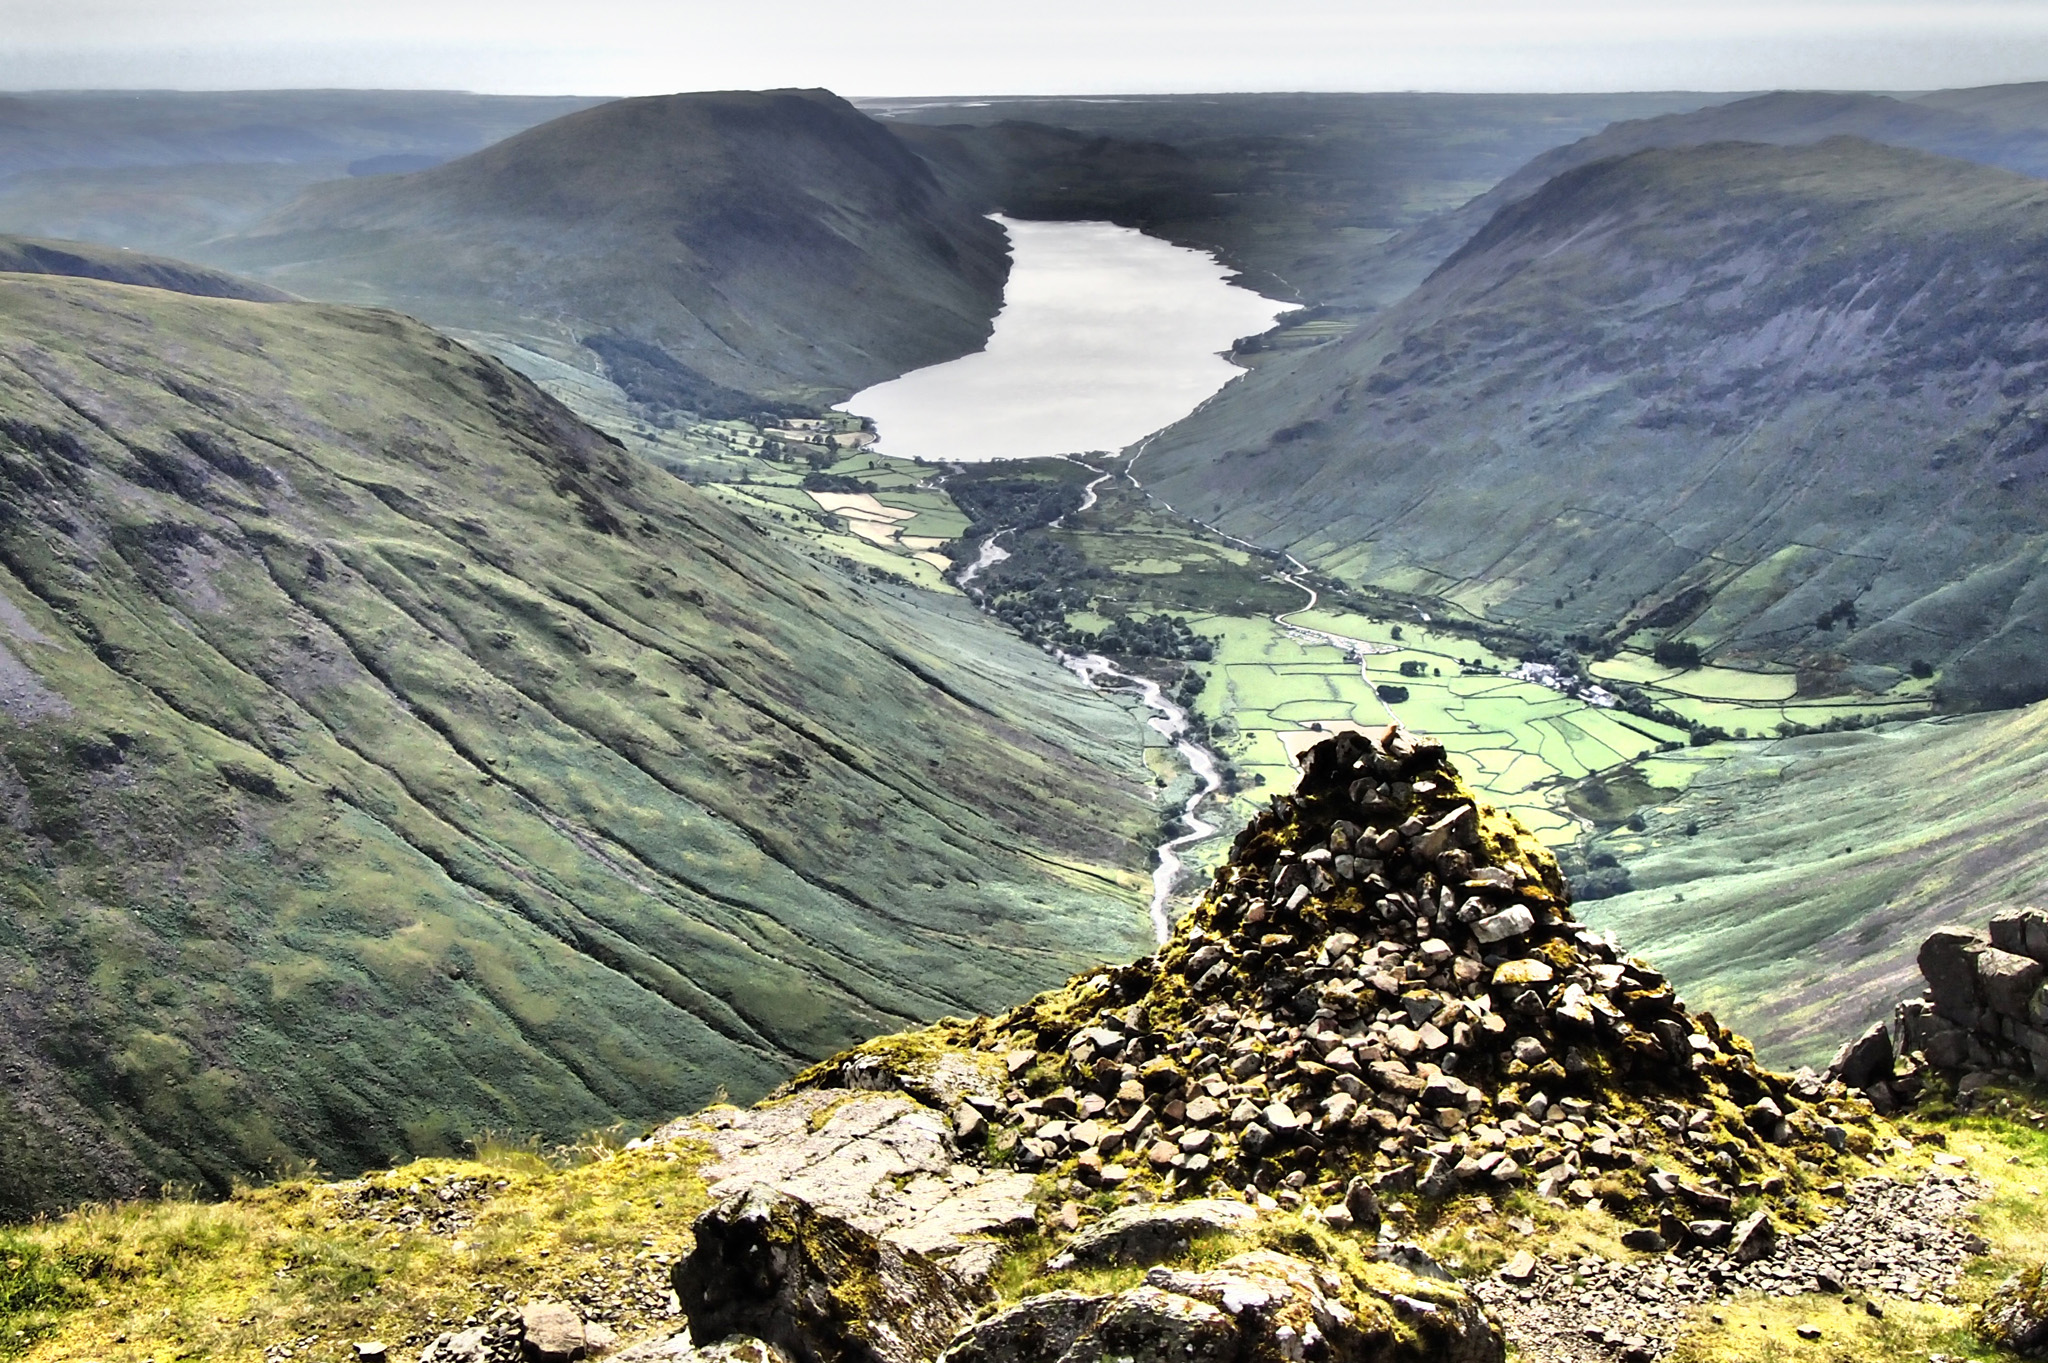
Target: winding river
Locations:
point(1106, 335)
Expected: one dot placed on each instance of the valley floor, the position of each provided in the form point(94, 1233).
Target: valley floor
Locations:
point(1618, 766)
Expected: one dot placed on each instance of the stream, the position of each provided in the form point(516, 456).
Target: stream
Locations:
point(1169, 721)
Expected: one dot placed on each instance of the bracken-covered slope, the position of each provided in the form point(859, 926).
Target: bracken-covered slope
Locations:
point(1783, 402)
point(777, 241)
point(388, 757)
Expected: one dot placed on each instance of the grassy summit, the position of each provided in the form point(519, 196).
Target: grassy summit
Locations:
point(388, 757)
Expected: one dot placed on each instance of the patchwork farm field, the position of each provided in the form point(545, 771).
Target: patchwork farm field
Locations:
point(1281, 688)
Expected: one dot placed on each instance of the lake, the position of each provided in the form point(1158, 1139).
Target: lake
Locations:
point(1105, 336)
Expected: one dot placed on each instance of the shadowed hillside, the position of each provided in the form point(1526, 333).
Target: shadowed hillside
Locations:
point(26, 255)
point(777, 242)
point(1301, 192)
point(1780, 403)
point(388, 757)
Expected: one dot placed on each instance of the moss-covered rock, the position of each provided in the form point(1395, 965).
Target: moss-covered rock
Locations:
point(2016, 1315)
point(769, 1266)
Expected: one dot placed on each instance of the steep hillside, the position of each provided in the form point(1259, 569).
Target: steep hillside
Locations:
point(27, 255)
point(389, 758)
point(1789, 885)
point(1778, 402)
point(777, 242)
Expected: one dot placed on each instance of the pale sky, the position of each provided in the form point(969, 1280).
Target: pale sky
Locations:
point(903, 47)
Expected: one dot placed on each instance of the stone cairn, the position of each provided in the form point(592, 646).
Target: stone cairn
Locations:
point(1984, 1016)
point(1384, 995)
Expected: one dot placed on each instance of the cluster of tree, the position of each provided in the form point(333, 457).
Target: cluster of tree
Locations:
point(996, 503)
point(1593, 874)
point(817, 480)
point(1034, 589)
point(1843, 610)
point(1675, 652)
point(1157, 636)
point(1836, 725)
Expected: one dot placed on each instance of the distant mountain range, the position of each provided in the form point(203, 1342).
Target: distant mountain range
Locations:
point(164, 170)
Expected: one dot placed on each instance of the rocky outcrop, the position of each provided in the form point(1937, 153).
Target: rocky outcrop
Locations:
point(883, 1162)
point(1213, 1153)
point(1255, 1306)
point(771, 1267)
point(1150, 1234)
point(1984, 1013)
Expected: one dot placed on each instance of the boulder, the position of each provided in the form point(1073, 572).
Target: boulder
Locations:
point(678, 1349)
point(1948, 960)
point(1755, 1238)
point(460, 1346)
point(1151, 1234)
point(1259, 1305)
point(2006, 981)
point(769, 1266)
point(2024, 932)
point(551, 1332)
point(1510, 922)
point(1866, 1060)
point(2015, 1317)
point(1143, 1325)
point(1946, 1045)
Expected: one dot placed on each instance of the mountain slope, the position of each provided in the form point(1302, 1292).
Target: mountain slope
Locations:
point(776, 242)
point(1958, 128)
point(163, 170)
point(388, 758)
point(67, 129)
point(1298, 191)
point(1779, 401)
point(28, 255)
point(1789, 886)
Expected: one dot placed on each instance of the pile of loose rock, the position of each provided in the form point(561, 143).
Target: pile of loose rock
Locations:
point(1381, 1004)
point(1985, 1014)
point(1384, 982)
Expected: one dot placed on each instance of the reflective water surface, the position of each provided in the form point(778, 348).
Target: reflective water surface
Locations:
point(1105, 336)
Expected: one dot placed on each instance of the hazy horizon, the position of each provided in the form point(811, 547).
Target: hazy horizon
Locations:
point(917, 48)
